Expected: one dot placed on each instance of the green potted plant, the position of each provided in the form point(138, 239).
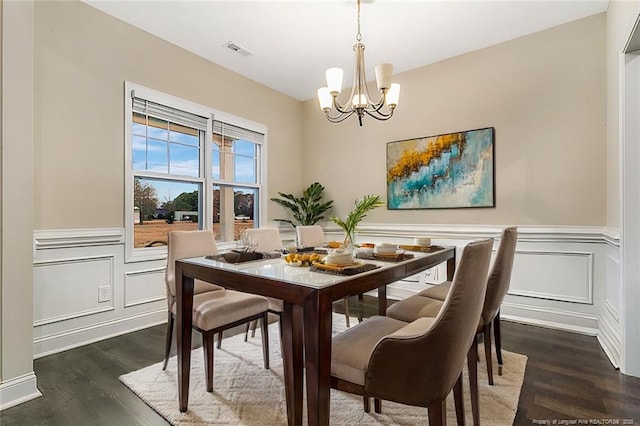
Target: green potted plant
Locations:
point(363, 206)
point(306, 210)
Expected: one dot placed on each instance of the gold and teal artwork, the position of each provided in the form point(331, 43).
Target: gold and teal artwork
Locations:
point(452, 170)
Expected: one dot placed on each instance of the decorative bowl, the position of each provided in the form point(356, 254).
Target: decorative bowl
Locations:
point(386, 248)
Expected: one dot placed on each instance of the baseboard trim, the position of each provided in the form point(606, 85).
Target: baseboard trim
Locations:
point(18, 390)
point(69, 339)
point(610, 340)
point(565, 325)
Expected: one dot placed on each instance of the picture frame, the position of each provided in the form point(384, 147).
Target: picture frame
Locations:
point(447, 171)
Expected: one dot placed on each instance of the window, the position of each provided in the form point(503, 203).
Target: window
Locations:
point(188, 167)
point(235, 171)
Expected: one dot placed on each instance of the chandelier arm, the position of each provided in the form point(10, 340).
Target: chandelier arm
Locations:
point(342, 109)
point(378, 115)
point(378, 106)
point(339, 118)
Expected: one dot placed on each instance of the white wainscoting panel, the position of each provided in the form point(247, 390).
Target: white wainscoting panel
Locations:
point(613, 287)
point(564, 277)
point(144, 286)
point(553, 275)
point(70, 268)
point(68, 288)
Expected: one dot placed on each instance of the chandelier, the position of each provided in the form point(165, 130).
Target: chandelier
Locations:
point(359, 101)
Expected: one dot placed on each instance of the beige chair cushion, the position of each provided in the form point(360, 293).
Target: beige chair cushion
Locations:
point(310, 236)
point(214, 309)
point(268, 239)
point(414, 307)
point(351, 350)
point(438, 292)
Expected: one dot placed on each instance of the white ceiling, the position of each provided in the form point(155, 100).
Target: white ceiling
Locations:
point(295, 41)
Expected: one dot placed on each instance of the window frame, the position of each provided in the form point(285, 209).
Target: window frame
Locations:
point(205, 178)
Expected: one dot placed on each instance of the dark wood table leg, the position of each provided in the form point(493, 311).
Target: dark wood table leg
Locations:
point(291, 334)
point(184, 306)
point(451, 267)
point(317, 340)
point(382, 300)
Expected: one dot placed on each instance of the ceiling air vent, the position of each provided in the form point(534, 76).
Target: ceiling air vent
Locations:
point(237, 49)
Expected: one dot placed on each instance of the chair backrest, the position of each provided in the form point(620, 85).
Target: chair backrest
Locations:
point(183, 245)
point(421, 362)
point(267, 239)
point(500, 274)
point(310, 236)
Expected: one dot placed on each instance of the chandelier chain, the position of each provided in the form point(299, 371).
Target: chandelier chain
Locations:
point(359, 35)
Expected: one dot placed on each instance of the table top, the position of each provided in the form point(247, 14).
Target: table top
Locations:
point(278, 269)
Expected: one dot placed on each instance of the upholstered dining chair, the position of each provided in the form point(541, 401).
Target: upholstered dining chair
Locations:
point(420, 362)
point(215, 309)
point(428, 302)
point(267, 240)
point(313, 236)
point(310, 235)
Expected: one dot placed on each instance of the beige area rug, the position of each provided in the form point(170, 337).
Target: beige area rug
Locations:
point(247, 394)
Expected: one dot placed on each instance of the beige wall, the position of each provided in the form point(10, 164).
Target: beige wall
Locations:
point(16, 206)
point(543, 93)
point(82, 57)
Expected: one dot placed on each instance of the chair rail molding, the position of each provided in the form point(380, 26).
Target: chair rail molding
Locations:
point(67, 238)
point(580, 234)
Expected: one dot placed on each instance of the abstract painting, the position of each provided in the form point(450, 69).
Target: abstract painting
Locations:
point(453, 170)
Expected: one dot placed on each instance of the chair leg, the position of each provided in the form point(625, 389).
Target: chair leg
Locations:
point(366, 403)
point(167, 349)
point(360, 304)
point(497, 338)
point(472, 366)
point(346, 311)
point(487, 351)
point(265, 340)
point(207, 346)
point(246, 331)
point(458, 398)
point(219, 340)
point(254, 325)
point(377, 405)
point(437, 413)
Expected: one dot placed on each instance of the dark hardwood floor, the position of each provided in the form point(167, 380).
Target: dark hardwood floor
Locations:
point(568, 379)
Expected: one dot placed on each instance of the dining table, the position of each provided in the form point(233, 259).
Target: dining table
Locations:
point(306, 318)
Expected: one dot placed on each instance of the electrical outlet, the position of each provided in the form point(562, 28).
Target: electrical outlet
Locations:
point(104, 293)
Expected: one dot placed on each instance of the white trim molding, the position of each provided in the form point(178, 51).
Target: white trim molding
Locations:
point(559, 319)
point(69, 238)
point(18, 390)
point(129, 298)
point(526, 233)
point(586, 297)
point(73, 338)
